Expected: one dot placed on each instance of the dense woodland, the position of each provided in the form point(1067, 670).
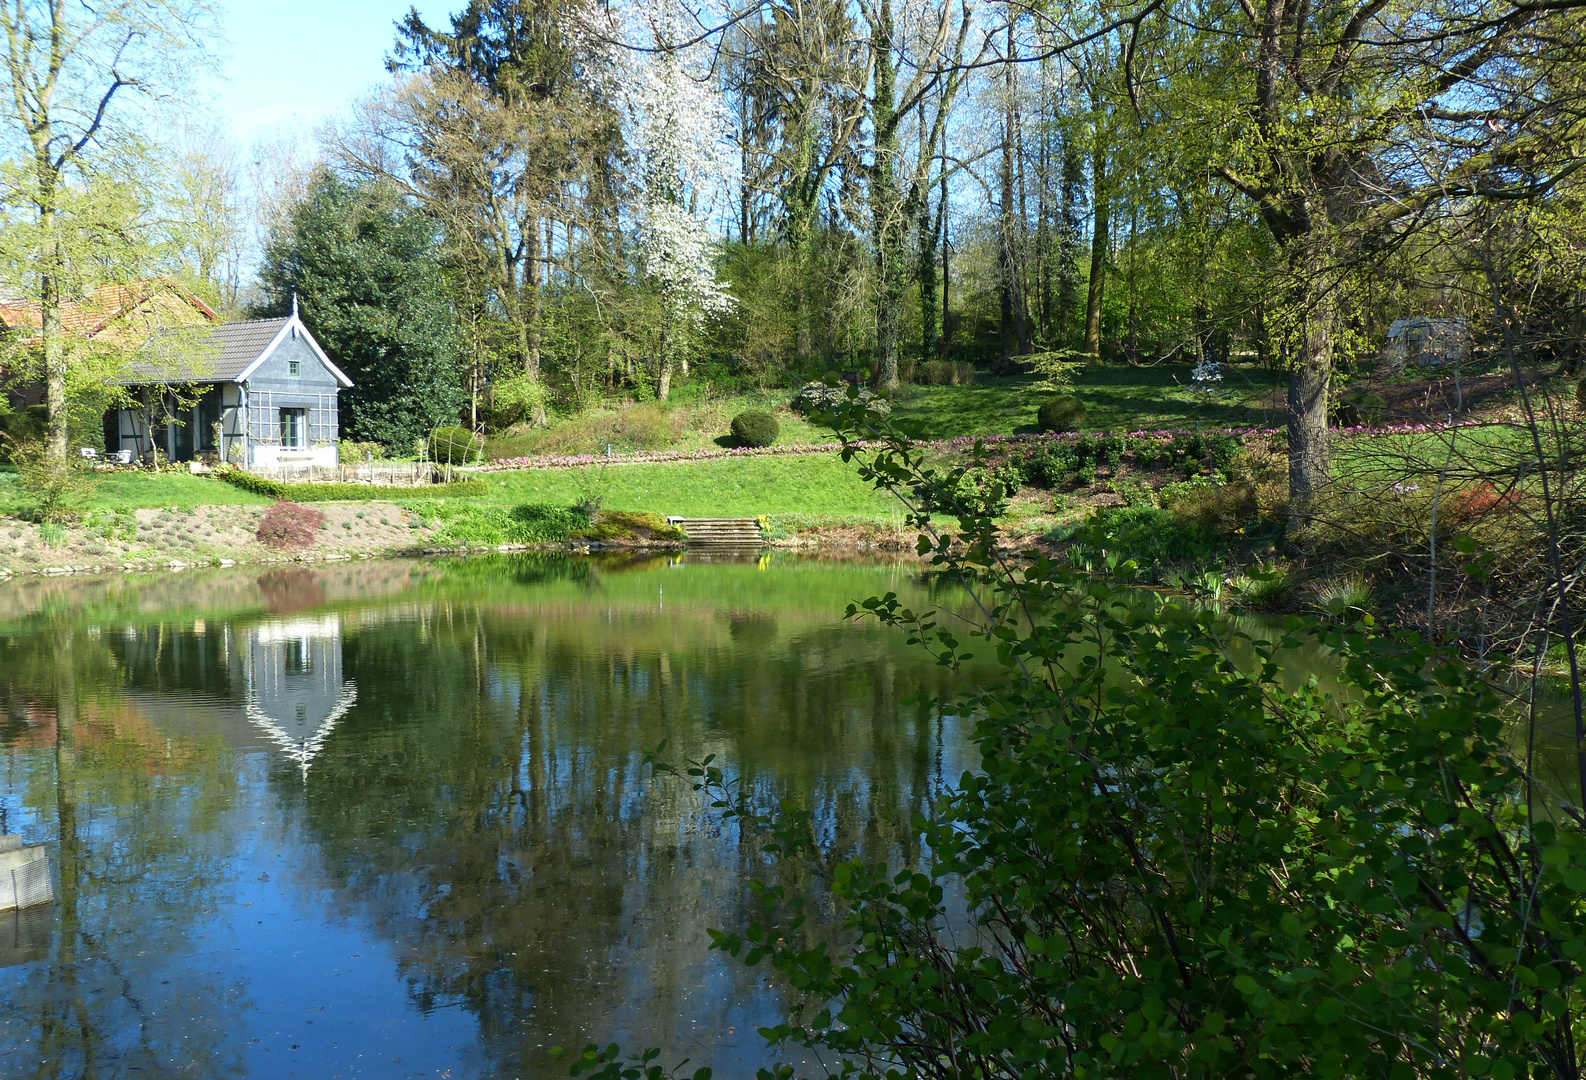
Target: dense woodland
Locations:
point(552, 203)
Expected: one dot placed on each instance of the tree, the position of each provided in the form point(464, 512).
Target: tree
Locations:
point(366, 268)
point(677, 139)
point(1345, 126)
point(70, 73)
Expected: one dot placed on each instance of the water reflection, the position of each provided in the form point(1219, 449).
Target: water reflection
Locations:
point(304, 829)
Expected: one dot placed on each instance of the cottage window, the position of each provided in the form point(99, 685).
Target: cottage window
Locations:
point(294, 368)
point(294, 429)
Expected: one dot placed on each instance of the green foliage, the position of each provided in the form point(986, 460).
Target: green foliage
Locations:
point(366, 269)
point(353, 453)
point(1191, 453)
point(1179, 866)
point(1344, 596)
point(333, 492)
point(628, 525)
point(533, 523)
point(1267, 588)
point(454, 445)
point(59, 490)
point(1062, 413)
point(755, 427)
point(1057, 371)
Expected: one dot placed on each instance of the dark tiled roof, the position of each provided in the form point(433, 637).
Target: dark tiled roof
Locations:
point(205, 354)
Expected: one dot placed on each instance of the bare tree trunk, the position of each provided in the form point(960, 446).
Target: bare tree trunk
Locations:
point(1101, 203)
point(54, 345)
point(886, 204)
point(1310, 452)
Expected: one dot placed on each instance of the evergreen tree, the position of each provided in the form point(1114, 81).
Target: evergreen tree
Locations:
point(366, 270)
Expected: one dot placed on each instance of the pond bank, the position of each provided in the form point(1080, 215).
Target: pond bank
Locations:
point(181, 538)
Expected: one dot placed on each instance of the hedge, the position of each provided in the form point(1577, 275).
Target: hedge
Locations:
point(333, 492)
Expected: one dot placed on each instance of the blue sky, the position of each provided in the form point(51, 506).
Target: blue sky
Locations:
point(289, 64)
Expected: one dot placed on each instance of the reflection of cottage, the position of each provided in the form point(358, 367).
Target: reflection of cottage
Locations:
point(253, 393)
point(291, 674)
point(1427, 342)
point(277, 684)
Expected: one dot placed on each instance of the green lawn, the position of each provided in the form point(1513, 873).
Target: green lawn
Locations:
point(140, 491)
point(730, 487)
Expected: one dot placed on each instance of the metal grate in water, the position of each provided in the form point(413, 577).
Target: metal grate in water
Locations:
point(31, 883)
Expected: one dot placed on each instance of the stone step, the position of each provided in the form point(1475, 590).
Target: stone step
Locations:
point(720, 532)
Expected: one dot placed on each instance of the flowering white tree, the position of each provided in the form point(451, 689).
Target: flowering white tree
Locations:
point(680, 142)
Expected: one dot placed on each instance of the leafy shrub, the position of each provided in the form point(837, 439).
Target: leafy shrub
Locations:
point(1052, 463)
point(818, 398)
point(288, 525)
point(1189, 452)
point(1254, 497)
point(59, 490)
point(629, 525)
point(1157, 538)
point(1343, 595)
point(454, 446)
point(1065, 412)
point(755, 427)
point(1265, 589)
point(1378, 862)
point(350, 452)
point(945, 373)
point(332, 492)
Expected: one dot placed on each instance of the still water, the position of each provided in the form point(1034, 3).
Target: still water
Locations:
point(391, 819)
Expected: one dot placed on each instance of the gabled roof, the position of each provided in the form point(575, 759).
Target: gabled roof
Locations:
point(229, 352)
point(129, 310)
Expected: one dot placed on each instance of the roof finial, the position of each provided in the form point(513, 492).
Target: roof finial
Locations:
point(294, 303)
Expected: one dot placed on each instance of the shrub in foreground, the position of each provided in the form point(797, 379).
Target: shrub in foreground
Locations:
point(755, 427)
point(287, 525)
point(1065, 412)
point(1180, 866)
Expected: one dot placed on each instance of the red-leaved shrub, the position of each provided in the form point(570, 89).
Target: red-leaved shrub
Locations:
point(288, 525)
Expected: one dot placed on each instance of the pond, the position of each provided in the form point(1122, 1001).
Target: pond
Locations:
point(391, 819)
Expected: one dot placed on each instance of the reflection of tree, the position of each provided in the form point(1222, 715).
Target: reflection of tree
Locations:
point(485, 806)
point(134, 822)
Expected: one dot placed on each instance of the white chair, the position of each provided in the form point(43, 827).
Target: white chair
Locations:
point(90, 453)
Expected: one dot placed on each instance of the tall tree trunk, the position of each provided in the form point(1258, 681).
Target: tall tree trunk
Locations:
point(1310, 451)
point(885, 201)
point(941, 242)
point(52, 341)
point(1101, 208)
point(1072, 200)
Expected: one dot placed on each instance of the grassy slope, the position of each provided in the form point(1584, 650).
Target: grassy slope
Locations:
point(1116, 398)
point(141, 491)
point(738, 487)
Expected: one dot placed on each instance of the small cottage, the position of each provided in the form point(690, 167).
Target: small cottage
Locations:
point(261, 392)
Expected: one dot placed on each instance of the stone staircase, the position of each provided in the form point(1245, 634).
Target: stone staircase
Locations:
point(720, 532)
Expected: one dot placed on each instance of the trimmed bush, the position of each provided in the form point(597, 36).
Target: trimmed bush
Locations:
point(755, 427)
point(1062, 413)
point(332, 492)
point(288, 525)
point(455, 446)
